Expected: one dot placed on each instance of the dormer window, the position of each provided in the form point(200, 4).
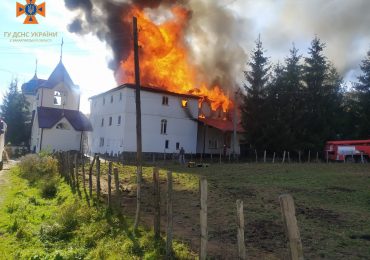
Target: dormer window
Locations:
point(62, 126)
point(111, 99)
point(165, 101)
point(120, 96)
point(57, 98)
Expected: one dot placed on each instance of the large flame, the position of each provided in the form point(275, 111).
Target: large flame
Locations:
point(164, 59)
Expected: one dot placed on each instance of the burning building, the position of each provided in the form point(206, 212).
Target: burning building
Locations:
point(186, 48)
point(169, 121)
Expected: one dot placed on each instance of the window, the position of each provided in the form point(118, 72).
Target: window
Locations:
point(103, 100)
point(119, 120)
point(110, 120)
point(102, 121)
point(165, 101)
point(57, 98)
point(163, 126)
point(166, 145)
point(120, 96)
point(184, 103)
point(101, 142)
point(212, 144)
point(111, 99)
point(177, 146)
point(62, 126)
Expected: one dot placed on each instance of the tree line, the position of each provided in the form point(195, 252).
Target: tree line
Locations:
point(303, 102)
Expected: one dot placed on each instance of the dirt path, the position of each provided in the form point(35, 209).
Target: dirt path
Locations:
point(3, 173)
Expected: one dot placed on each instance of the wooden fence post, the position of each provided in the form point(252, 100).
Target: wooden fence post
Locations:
point(283, 161)
point(220, 157)
point(157, 204)
point(240, 226)
point(116, 181)
point(76, 170)
point(299, 156)
point(98, 176)
point(309, 156)
point(203, 219)
point(90, 175)
point(169, 216)
point(288, 157)
point(70, 171)
point(255, 151)
point(327, 156)
point(264, 156)
point(110, 184)
point(83, 172)
point(317, 157)
point(291, 227)
point(362, 157)
point(273, 158)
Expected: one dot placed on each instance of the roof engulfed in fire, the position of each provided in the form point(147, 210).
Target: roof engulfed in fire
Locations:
point(181, 49)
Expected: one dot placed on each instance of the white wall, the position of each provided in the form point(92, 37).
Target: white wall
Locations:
point(70, 98)
point(61, 139)
point(180, 128)
point(35, 134)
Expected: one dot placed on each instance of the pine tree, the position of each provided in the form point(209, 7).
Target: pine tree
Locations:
point(15, 113)
point(274, 108)
point(322, 98)
point(293, 99)
point(253, 112)
point(363, 99)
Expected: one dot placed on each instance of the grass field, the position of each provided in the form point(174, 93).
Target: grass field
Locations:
point(65, 227)
point(332, 205)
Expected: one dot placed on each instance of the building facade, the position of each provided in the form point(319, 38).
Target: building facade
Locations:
point(169, 121)
point(57, 123)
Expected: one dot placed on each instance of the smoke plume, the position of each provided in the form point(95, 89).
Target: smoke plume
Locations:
point(212, 33)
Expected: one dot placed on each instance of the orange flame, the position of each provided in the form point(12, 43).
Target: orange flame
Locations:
point(164, 59)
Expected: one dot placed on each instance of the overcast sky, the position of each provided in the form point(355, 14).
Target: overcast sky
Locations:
point(342, 24)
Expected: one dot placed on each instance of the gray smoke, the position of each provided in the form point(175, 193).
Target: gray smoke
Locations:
point(343, 25)
point(213, 33)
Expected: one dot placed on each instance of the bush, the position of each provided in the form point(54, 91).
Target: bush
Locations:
point(34, 167)
point(68, 216)
point(65, 222)
point(49, 189)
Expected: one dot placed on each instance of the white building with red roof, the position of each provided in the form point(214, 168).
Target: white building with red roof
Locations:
point(169, 121)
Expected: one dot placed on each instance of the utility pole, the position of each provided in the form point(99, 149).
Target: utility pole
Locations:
point(138, 124)
point(235, 120)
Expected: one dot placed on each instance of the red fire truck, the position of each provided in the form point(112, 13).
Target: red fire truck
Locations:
point(348, 151)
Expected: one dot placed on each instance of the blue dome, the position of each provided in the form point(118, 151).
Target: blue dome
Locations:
point(30, 87)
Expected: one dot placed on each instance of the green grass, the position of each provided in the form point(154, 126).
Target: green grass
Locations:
point(65, 227)
point(332, 205)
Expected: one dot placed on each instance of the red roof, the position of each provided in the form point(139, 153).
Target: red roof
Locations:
point(223, 125)
point(349, 142)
